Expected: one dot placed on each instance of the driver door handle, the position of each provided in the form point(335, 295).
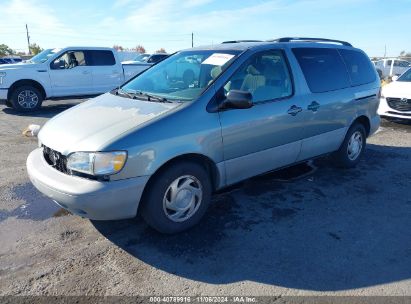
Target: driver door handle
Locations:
point(294, 110)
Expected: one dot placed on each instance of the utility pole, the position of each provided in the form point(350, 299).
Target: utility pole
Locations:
point(385, 50)
point(28, 38)
point(192, 40)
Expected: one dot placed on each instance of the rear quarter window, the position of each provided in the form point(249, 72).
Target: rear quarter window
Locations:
point(359, 67)
point(101, 58)
point(323, 69)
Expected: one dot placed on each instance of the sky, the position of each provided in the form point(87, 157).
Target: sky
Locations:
point(371, 25)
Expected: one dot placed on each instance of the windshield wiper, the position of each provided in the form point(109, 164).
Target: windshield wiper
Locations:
point(137, 94)
point(120, 91)
point(149, 97)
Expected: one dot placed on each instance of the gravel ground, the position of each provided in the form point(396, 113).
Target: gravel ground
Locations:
point(308, 230)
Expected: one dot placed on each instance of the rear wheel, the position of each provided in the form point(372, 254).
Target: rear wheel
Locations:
point(352, 147)
point(26, 98)
point(177, 198)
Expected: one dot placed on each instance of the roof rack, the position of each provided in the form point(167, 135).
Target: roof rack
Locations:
point(305, 39)
point(239, 41)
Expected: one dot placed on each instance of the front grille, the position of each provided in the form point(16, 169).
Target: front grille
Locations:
point(399, 104)
point(55, 159)
point(396, 113)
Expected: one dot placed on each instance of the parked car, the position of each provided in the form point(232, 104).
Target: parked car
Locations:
point(396, 97)
point(161, 147)
point(59, 73)
point(12, 59)
point(391, 67)
point(140, 58)
point(144, 61)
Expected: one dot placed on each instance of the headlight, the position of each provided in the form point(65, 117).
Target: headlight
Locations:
point(97, 163)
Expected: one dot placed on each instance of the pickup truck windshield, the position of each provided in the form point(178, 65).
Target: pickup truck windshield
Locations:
point(43, 56)
point(183, 76)
point(406, 76)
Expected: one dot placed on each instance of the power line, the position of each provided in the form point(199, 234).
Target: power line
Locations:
point(28, 38)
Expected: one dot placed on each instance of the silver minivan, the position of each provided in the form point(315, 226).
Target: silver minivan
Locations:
point(203, 119)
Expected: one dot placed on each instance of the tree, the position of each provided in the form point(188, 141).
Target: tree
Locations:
point(405, 54)
point(35, 49)
point(118, 47)
point(5, 50)
point(162, 50)
point(140, 49)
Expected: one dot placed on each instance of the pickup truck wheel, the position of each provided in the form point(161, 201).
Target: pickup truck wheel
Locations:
point(352, 147)
point(26, 98)
point(177, 198)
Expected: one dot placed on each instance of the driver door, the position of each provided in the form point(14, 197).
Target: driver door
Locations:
point(70, 75)
point(268, 135)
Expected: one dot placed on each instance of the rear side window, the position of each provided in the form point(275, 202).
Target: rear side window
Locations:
point(359, 67)
point(323, 69)
point(101, 58)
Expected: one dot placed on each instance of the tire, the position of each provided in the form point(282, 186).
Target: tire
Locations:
point(184, 186)
point(352, 148)
point(26, 98)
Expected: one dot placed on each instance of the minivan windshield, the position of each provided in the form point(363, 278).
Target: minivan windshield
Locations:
point(43, 56)
point(181, 77)
point(406, 76)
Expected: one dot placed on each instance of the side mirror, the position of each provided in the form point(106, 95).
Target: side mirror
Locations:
point(238, 100)
point(394, 78)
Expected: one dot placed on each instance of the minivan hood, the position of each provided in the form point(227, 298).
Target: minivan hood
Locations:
point(397, 89)
point(91, 125)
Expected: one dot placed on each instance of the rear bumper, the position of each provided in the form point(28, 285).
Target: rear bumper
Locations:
point(3, 93)
point(374, 124)
point(87, 198)
point(385, 110)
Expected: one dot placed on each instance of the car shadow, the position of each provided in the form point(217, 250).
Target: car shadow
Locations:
point(391, 121)
point(48, 110)
point(326, 230)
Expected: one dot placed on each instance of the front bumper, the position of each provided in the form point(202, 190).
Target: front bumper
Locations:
point(88, 198)
point(385, 110)
point(3, 93)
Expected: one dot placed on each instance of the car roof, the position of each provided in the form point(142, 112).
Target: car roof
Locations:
point(242, 45)
point(88, 48)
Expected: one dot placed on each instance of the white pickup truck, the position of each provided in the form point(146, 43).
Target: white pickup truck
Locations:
point(62, 73)
point(391, 67)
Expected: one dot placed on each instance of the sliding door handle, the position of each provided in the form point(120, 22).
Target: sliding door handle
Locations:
point(294, 110)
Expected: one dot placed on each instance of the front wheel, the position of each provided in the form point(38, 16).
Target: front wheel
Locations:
point(177, 198)
point(26, 98)
point(352, 148)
